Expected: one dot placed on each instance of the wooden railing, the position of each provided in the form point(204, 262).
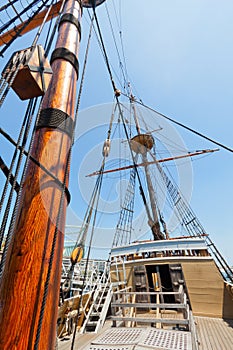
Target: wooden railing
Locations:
point(127, 312)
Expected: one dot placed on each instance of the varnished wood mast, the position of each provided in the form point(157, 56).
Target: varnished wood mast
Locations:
point(26, 268)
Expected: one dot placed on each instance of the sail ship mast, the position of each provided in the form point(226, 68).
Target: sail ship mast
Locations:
point(142, 144)
point(29, 291)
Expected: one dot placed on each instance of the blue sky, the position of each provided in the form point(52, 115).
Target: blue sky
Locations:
point(179, 60)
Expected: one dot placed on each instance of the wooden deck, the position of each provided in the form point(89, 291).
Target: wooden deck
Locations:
point(127, 338)
point(81, 340)
point(214, 333)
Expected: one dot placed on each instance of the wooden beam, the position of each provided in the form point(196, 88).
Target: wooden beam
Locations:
point(147, 293)
point(150, 305)
point(197, 153)
point(150, 320)
point(36, 22)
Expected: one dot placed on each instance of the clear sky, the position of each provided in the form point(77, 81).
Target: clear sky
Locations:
point(179, 58)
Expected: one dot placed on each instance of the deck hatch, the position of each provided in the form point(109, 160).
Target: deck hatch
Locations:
point(142, 339)
point(120, 336)
point(165, 339)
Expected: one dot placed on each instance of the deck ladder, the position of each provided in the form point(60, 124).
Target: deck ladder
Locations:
point(97, 313)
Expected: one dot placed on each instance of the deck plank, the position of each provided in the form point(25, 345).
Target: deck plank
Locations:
point(81, 340)
point(214, 333)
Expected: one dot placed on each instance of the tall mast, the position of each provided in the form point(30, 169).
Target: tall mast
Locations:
point(141, 144)
point(38, 234)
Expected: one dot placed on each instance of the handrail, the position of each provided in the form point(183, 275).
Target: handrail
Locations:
point(148, 293)
point(122, 290)
point(124, 307)
point(150, 305)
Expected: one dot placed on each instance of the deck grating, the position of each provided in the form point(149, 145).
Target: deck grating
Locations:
point(166, 339)
point(110, 347)
point(120, 336)
point(135, 339)
point(147, 338)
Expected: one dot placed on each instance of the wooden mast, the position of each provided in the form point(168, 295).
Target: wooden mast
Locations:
point(27, 261)
point(141, 144)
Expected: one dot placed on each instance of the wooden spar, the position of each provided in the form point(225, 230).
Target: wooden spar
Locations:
point(36, 22)
point(155, 161)
point(26, 267)
point(135, 114)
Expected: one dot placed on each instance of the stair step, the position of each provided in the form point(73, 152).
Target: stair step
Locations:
point(95, 313)
point(90, 329)
point(94, 318)
point(100, 299)
point(91, 323)
point(101, 305)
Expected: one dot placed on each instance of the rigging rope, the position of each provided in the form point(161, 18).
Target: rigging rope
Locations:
point(9, 74)
point(101, 49)
point(117, 50)
point(105, 53)
point(98, 190)
point(42, 25)
point(23, 27)
point(52, 36)
point(21, 139)
point(95, 197)
point(87, 217)
point(28, 155)
point(124, 226)
point(149, 108)
point(10, 3)
point(60, 208)
point(15, 63)
point(12, 20)
point(116, 91)
point(183, 126)
point(96, 194)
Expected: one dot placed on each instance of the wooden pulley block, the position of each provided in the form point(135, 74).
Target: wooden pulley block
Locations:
point(77, 254)
point(34, 72)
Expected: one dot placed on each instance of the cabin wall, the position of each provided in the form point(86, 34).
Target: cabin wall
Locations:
point(207, 291)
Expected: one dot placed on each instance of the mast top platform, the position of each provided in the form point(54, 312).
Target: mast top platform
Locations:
point(89, 3)
point(142, 143)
